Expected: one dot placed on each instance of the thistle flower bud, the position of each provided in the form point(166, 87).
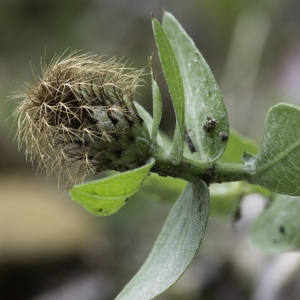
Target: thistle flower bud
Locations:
point(79, 117)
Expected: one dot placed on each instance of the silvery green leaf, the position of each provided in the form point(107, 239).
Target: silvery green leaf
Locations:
point(205, 113)
point(175, 247)
point(174, 81)
point(277, 165)
point(277, 228)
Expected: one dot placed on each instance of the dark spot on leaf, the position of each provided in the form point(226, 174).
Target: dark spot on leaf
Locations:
point(209, 124)
point(223, 136)
point(100, 209)
point(126, 200)
point(281, 229)
point(189, 141)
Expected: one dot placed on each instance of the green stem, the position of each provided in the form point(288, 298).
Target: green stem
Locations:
point(192, 171)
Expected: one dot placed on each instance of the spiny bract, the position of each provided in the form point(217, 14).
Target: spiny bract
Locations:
point(79, 117)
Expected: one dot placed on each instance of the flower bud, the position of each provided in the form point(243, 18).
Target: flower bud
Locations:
point(79, 117)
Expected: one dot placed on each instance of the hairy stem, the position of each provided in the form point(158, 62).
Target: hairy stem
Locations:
point(192, 171)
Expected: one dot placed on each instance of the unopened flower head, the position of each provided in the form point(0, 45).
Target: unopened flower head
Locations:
point(79, 117)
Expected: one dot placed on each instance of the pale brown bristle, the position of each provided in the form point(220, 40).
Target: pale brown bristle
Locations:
point(77, 117)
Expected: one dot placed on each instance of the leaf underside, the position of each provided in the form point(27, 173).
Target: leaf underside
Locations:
point(277, 165)
point(175, 247)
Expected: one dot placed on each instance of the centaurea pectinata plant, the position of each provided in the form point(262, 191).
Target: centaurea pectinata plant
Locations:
point(80, 117)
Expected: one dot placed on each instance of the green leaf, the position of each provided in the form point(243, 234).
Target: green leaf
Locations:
point(174, 81)
point(106, 196)
point(162, 139)
point(277, 165)
point(237, 145)
point(205, 113)
point(144, 115)
point(157, 109)
point(175, 247)
point(277, 228)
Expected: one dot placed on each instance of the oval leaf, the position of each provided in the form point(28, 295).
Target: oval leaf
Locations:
point(175, 247)
point(174, 81)
point(205, 113)
point(277, 228)
point(277, 165)
point(106, 196)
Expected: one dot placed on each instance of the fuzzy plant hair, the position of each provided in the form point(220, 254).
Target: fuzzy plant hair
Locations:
point(79, 117)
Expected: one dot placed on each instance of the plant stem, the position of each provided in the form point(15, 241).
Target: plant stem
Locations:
point(192, 171)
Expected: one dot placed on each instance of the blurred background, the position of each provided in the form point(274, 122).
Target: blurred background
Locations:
point(52, 249)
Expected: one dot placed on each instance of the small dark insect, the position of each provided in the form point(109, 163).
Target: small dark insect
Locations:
point(223, 136)
point(281, 229)
point(209, 174)
point(209, 124)
point(189, 141)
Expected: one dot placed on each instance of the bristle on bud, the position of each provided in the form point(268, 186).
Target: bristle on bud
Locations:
point(79, 118)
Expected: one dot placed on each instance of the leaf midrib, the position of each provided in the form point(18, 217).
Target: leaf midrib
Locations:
point(278, 158)
point(104, 198)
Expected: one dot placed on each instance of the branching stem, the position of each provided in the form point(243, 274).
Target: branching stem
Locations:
point(192, 171)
